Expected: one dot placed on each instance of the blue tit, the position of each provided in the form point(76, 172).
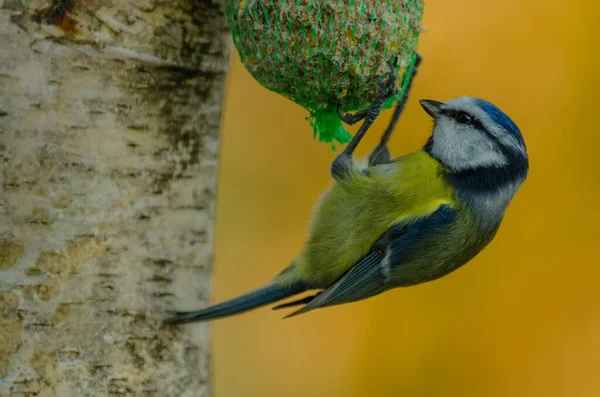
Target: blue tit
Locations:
point(399, 222)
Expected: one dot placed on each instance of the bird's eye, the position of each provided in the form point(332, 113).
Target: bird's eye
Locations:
point(463, 118)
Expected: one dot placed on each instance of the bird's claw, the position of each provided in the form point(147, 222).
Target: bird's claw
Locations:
point(350, 118)
point(387, 89)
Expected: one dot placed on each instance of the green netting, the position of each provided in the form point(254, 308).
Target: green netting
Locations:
point(319, 53)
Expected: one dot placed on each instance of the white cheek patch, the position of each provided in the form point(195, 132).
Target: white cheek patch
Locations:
point(468, 105)
point(508, 140)
point(462, 147)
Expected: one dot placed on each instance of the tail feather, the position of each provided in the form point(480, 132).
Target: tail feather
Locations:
point(295, 303)
point(252, 300)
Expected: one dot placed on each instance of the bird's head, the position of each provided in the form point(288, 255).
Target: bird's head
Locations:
point(471, 134)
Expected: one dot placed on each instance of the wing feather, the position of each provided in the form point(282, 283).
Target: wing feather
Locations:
point(370, 275)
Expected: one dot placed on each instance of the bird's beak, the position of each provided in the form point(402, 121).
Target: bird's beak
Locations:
point(433, 108)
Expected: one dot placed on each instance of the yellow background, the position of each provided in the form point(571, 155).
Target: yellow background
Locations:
point(522, 319)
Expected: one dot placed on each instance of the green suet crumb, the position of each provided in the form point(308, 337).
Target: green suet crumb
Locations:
point(320, 53)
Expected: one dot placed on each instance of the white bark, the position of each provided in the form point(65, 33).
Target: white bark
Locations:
point(109, 116)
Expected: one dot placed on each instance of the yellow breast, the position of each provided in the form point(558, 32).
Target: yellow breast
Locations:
point(355, 212)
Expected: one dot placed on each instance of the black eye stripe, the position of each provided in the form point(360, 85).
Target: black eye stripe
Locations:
point(454, 115)
point(462, 117)
point(478, 125)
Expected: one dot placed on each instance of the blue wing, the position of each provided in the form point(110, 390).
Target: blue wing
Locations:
point(369, 276)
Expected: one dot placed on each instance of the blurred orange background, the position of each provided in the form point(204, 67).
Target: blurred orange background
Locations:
point(521, 319)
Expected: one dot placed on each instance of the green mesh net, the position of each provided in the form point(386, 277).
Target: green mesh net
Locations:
point(321, 53)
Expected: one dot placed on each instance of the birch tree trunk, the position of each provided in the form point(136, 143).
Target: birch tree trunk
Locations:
point(109, 118)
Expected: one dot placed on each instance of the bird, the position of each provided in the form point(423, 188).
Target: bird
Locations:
point(386, 223)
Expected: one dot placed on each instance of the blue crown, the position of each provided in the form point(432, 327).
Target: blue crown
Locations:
point(500, 118)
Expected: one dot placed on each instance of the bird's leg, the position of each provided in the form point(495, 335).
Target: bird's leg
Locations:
point(343, 162)
point(381, 153)
point(350, 118)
